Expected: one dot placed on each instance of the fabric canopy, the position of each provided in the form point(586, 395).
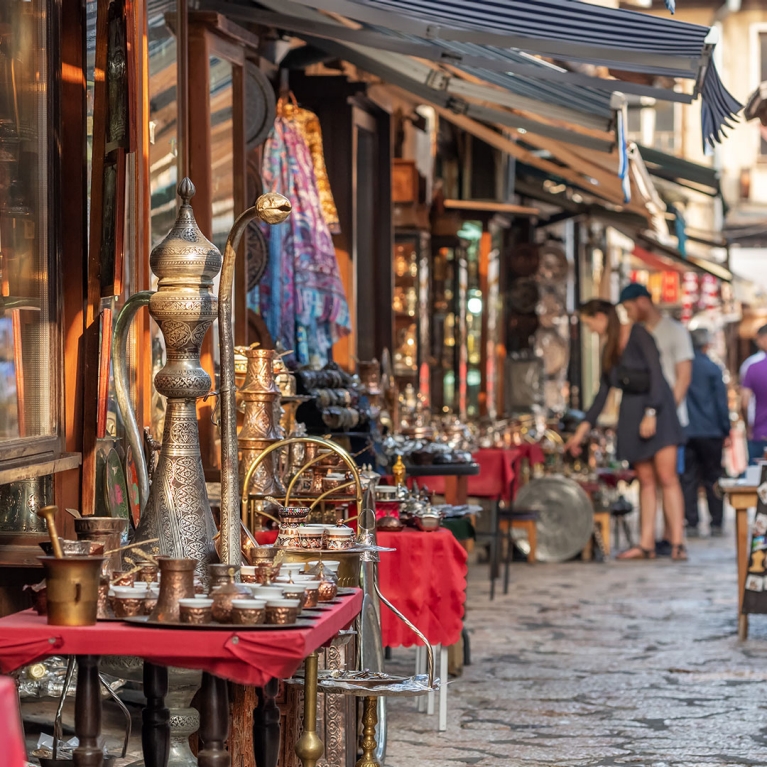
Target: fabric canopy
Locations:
point(479, 34)
point(563, 29)
point(683, 172)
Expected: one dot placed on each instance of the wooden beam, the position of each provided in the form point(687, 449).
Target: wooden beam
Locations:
point(494, 139)
point(491, 207)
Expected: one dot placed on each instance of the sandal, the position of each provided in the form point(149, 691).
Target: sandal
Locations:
point(637, 552)
point(679, 552)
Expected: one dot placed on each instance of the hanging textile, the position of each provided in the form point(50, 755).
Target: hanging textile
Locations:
point(308, 125)
point(302, 296)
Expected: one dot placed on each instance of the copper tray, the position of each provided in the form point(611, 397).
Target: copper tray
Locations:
point(301, 623)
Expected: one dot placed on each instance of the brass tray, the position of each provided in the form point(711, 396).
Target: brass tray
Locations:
point(301, 623)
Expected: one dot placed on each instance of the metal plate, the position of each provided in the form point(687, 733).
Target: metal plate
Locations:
point(566, 518)
point(260, 106)
point(301, 623)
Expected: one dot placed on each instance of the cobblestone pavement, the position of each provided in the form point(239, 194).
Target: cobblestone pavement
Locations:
point(601, 664)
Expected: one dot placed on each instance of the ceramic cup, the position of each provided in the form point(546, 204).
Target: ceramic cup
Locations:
point(195, 610)
point(312, 591)
point(248, 612)
point(282, 611)
point(275, 591)
point(329, 564)
point(127, 606)
point(248, 574)
point(340, 538)
point(292, 567)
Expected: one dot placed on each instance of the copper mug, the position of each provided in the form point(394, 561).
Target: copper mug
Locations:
point(176, 582)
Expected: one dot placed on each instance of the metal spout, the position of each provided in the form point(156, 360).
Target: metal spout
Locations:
point(272, 208)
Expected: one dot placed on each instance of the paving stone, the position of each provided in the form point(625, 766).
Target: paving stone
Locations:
point(597, 665)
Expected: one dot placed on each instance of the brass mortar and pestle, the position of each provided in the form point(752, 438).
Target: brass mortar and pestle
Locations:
point(72, 583)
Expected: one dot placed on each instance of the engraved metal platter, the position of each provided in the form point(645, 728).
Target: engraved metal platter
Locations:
point(566, 516)
point(301, 623)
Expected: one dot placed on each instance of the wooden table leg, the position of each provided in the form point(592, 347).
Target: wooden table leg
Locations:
point(214, 722)
point(741, 541)
point(456, 490)
point(88, 713)
point(266, 725)
point(155, 728)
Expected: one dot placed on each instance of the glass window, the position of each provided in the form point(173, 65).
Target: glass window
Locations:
point(26, 308)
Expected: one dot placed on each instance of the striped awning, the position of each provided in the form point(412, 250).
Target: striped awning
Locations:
point(500, 36)
point(562, 29)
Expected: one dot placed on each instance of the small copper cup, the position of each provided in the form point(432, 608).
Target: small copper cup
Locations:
point(296, 591)
point(195, 611)
point(327, 591)
point(282, 611)
point(148, 573)
point(103, 609)
point(120, 578)
point(150, 602)
point(312, 597)
point(128, 607)
point(248, 612)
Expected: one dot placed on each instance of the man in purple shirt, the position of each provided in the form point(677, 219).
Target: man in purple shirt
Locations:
point(754, 398)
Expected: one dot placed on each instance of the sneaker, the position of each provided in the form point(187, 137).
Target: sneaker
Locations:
point(716, 531)
point(663, 548)
point(692, 532)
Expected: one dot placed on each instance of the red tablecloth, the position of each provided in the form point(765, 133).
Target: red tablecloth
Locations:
point(249, 657)
point(11, 737)
point(425, 578)
point(498, 468)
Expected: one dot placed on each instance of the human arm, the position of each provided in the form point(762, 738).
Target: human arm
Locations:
point(684, 354)
point(654, 400)
point(576, 440)
point(745, 402)
point(683, 379)
point(721, 405)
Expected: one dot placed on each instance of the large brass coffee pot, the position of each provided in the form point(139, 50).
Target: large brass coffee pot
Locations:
point(175, 510)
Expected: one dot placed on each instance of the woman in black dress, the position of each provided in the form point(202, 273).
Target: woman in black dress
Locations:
point(648, 428)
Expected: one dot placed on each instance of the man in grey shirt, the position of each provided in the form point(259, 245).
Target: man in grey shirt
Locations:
point(675, 347)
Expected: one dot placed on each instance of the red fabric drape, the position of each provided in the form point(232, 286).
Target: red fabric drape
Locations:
point(498, 469)
point(425, 578)
point(11, 736)
point(250, 657)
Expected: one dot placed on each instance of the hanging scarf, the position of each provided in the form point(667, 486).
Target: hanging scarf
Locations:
point(302, 296)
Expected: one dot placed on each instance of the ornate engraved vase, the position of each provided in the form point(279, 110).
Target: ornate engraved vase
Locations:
point(178, 511)
point(260, 425)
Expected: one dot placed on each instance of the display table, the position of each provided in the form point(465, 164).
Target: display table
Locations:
point(742, 497)
point(448, 479)
point(424, 578)
point(249, 657)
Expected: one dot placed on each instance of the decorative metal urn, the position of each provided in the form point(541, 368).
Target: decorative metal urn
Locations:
point(178, 511)
point(260, 427)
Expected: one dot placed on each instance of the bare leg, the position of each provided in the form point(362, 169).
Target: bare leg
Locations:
point(665, 462)
point(648, 504)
